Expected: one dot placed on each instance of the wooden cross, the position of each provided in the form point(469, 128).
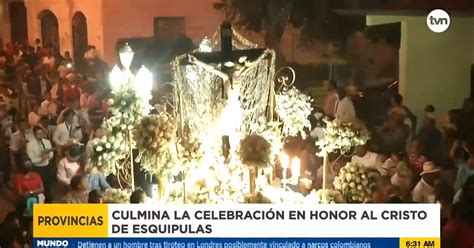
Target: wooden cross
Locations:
point(227, 54)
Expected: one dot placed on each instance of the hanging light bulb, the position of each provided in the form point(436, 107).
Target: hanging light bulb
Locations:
point(116, 78)
point(205, 46)
point(144, 83)
point(126, 56)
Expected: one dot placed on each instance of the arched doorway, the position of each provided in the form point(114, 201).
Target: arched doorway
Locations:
point(49, 29)
point(79, 39)
point(18, 21)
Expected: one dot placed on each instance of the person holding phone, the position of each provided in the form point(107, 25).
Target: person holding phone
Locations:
point(28, 186)
point(27, 182)
point(41, 153)
point(465, 168)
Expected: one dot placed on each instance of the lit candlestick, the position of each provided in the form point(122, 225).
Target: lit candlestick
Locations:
point(284, 160)
point(285, 163)
point(295, 169)
point(155, 195)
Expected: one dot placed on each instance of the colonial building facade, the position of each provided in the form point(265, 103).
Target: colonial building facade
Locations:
point(72, 25)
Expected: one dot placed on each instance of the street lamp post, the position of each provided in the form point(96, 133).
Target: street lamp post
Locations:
point(126, 56)
point(141, 84)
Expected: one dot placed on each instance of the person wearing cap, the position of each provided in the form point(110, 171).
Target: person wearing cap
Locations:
point(424, 191)
point(68, 167)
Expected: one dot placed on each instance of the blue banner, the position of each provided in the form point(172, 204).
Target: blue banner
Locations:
point(218, 242)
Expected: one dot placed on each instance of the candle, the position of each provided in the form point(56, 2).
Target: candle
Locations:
point(155, 192)
point(295, 168)
point(284, 160)
point(285, 163)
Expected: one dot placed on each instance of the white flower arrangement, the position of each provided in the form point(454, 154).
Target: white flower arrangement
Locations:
point(217, 183)
point(356, 182)
point(155, 138)
point(116, 196)
point(271, 131)
point(104, 156)
point(126, 108)
point(190, 149)
point(293, 107)
point(342, 137)
point(280, 196)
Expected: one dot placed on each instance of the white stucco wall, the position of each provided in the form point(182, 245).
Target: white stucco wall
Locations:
point(434, 68)
point(64, 11)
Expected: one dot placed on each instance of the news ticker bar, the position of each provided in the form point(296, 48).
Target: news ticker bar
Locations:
point(239, 242)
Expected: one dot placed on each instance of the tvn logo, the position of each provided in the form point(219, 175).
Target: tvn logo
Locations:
point(438, 20)
point(52, 243)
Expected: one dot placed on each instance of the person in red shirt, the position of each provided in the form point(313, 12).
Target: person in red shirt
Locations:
point(459, 230)
point(27, 182)
point(72, 90)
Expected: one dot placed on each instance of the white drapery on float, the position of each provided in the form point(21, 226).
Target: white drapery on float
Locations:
point(219, 108)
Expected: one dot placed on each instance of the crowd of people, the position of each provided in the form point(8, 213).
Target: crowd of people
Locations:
point(44, 135)
point(430, 164)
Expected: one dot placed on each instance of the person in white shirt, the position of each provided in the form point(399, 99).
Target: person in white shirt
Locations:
point(389, 167)
point(424, 191)
point(344, 109)
point(69, 166)
point(33, 116)
point(331, 99)
point(67, 130)
point(81, 118)
point(19, 139)
point(40, 153)
point(45, 104)
point(367, 158)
